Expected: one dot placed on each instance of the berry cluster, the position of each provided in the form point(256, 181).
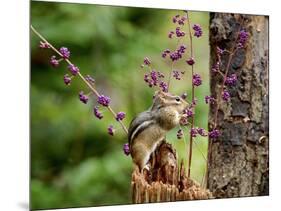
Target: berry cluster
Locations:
point(178, 74)
point(179, 19)
point(231, 80)
point(178, 53)
point(197, 30)
point(210, 99)
point(196, 80)
point(155, 78)
point(242, 38)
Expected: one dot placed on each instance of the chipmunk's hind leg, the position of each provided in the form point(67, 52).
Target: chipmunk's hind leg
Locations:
point(141, 157)
point(144, 165)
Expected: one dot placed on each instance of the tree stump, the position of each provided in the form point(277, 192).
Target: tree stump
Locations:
point(165, 181)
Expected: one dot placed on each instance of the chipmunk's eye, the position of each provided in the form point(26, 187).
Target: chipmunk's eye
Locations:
point(178, 99)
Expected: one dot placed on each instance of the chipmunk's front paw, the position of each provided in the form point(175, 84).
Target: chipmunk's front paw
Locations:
point(146, 172)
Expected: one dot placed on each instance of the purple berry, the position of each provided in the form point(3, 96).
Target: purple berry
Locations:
point(83, 98)
point(164, 86)
point(54, 62)
point(103, 100)
point(65, 52)
point(90, 79)
point(202, 132)
point(231, 80)
point(184, 120)
point(216, 67)
point(146, 61)
point(225, 95)
point(175, 18)
point(176, 74)
point(188, 112)
point(190, 61)
point(120, 116)
point(193, 132)
point(197, 30)
point(196, 80)
point(210, 99)
point(73, 69)
point(126, 149)
point(214, 134)
point(242, 38)
point(111, 130)
point(97, 113)
point(154, 77)
point(182, 20)
point(179, 33)
point(67, 79)
point(170, 34)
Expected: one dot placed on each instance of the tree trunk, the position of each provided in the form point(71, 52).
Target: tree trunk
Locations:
point(165, 181)
point(238, 159)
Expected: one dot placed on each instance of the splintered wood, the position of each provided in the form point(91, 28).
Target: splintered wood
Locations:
point(164, 181)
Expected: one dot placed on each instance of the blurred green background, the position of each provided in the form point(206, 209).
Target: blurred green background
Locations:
point(74, 162)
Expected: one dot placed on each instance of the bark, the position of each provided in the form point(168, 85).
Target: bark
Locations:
point(165, 181)
point(238, 159)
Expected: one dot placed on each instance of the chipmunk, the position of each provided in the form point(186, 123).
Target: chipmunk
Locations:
point(148, 129)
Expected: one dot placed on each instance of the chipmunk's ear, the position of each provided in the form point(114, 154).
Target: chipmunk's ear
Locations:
point(158, 97)
point(158, 93)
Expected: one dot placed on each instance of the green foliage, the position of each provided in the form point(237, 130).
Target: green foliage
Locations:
point(74, 162)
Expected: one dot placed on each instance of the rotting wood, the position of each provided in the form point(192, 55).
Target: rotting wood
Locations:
point(165, 181)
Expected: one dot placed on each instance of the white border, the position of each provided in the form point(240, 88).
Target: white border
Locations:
point(14, 111)
point(258, 7)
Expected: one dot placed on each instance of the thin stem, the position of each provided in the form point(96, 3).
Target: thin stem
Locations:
point(204, 177)
point(192, 96)
point(79, 74)
point(220, 72)
point(170, 75)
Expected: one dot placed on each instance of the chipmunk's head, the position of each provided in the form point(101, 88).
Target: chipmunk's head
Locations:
point(170, 101)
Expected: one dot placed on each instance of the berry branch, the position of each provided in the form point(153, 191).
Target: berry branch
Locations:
point(103, 100)
point(228, 80)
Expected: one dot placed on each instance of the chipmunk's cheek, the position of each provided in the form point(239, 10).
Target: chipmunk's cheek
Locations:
point(177, 118)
